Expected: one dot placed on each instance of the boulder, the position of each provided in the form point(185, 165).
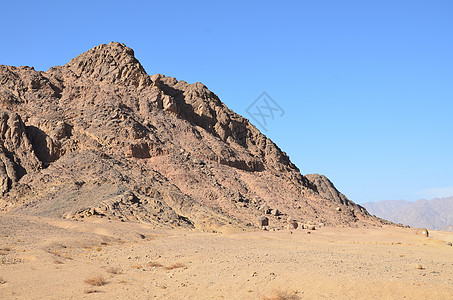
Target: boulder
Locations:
point(265, 208)
point(62, 130)
point(310, 227)
point(263, 221)
point(423, 232)
point(293, 225)
point(275, 212)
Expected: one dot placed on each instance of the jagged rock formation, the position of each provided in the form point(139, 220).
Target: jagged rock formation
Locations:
point(16, 153)
point(326, 189)
point(100, 137)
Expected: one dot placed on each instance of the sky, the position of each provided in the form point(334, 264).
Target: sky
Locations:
point(365, 87)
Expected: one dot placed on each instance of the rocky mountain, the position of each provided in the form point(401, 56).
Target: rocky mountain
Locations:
point(432, 214)
point(100, 137)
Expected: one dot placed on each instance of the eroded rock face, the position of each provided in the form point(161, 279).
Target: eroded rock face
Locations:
point(17, 157)
point(74, 139)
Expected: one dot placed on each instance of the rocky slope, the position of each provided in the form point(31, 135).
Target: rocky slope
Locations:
point(432, 214)
point(100, 137)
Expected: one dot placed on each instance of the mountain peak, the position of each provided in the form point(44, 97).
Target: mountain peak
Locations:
point(110, 63)
point(105, 139)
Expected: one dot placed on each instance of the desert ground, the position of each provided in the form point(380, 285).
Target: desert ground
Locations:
point(43, 258)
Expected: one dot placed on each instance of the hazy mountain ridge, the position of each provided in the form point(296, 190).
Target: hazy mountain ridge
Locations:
point(433, 214)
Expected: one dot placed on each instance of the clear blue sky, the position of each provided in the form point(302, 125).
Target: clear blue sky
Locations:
point(367, 86)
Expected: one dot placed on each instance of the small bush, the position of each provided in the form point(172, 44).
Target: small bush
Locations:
point(2, 281)
point(92, 291)
point(154, 265)
point(96, 281)
point(137, 267)
point(175, 266)
point(114, 270)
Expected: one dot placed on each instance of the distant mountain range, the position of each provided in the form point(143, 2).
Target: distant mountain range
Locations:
point(432, 214)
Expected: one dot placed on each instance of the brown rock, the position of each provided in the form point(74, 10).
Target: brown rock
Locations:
point(263, 221)
point(293, 225)
point(265, 208)
point(423, 232)
point(62, 130)
point(275, 212)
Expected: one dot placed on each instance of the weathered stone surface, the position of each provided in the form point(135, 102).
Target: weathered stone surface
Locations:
point(17, 157)
point(76, 138)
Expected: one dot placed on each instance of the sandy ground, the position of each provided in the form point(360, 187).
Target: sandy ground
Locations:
point(44, 258)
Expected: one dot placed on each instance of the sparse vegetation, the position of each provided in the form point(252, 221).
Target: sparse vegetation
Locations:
point(2, 281)
point(54, 252)
point(282, 295)
point(96, 281)
point(175, 266)
point(136, 266)
point(67, 256)
point(154, 265)
point(58, 261)
point(92, 291)
point(114, 270)
point(4, 250)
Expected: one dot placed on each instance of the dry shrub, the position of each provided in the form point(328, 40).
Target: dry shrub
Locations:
point(175, 266)
point(92, 291)
point(57, 261)
point(282, 295)
point(114, 270)
point(54, 252)
point(2, 281)
point(154, 265)
point(67, 256)
point(96, 281)
point(136, 267)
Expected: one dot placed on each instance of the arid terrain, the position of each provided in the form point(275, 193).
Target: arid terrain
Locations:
point(43, 258)
point(115, 184)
